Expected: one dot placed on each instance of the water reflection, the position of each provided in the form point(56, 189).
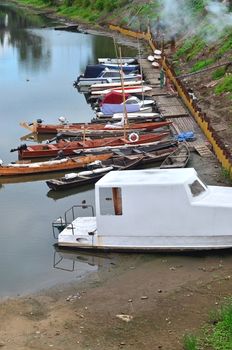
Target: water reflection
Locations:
point(68, 260)
point(56, 195)
point(30, 47)
point(37, 69)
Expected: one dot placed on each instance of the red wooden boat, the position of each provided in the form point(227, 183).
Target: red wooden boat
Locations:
point(68, 148)
point(80, 127)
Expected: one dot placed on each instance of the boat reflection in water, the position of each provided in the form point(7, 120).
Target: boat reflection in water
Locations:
point(69, 260)
point(56, 195)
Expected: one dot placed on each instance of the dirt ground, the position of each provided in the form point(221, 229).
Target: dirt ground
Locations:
point(131, 302)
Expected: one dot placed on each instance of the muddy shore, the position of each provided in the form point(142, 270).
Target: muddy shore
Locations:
point(131, 302)
point(134, 302)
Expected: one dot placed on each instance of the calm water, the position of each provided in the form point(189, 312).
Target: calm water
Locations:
point(37, 69)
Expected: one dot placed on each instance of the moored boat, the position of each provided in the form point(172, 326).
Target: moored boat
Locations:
point(27, 168)
point(128, 89)
point(178, 158)
point(199, 216)
point(116, 84)
point(108, 111)
point(40, 128)
point(69, 148)
point(94, 172)
point(123, 60)
point(102, 73)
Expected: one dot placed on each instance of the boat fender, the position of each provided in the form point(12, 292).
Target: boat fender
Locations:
point(133, 137)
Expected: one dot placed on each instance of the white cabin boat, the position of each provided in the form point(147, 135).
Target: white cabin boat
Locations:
point(106, 76)
point(154, 209)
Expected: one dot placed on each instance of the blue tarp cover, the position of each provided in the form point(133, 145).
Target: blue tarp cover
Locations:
point(186, 136)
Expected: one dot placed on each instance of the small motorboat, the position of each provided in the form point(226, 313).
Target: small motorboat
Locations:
point(116, 84)
point(103, 74)
point(94, 172)
point(136, 115)
point(123, 60)
point(108, 111)
point(149, 210)
point(178, 158)
point(128, 89)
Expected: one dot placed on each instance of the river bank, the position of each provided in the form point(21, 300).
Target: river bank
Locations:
point(162, 296)
point(142, 303)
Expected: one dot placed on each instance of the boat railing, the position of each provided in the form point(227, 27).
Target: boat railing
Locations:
point(67, 220)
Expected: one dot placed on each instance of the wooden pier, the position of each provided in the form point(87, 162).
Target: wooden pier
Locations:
point(171, 107)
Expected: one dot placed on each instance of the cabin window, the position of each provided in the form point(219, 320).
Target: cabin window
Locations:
point(197, 188)
point(110, 201)
point(111, 74)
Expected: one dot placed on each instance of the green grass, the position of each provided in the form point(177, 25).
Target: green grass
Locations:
point(221, 336)
point(190, 342)
point(217, 334)
point(224, 86)
point(218, 73)
point(36, 3)
point(202, 64)
point(226, 44)
point(191, 48)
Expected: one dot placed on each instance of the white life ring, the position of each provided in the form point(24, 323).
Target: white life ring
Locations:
point(133, 137)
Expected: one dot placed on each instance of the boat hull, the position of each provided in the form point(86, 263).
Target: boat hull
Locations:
point(47, 167)
point(152, 243)
point(69, 148)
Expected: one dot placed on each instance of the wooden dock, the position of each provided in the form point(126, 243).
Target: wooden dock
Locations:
point(171, 107)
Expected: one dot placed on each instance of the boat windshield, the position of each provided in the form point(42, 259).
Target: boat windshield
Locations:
point(197, 188)
point(110, 74)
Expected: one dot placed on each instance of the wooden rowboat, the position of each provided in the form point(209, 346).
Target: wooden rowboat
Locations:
point(94, 173)
point(27, 168)
point(69, 148)
point(55, 128)
point(177, 159)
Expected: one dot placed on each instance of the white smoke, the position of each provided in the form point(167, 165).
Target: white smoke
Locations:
point(219, 18)
point(177, 17)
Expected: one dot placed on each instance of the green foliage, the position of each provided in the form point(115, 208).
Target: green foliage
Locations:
point(191, 48)
point(224, 86)
point(218, 73)
point(197, 5)
point(227, 174)
point(226, 44)
point(190, 342)
point(202, 64)
point(221, 337)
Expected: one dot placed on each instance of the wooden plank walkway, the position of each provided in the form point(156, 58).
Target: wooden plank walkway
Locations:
point(171, 107)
